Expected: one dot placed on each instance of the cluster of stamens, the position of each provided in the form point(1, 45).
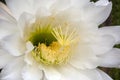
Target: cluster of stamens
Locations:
point(52, 44)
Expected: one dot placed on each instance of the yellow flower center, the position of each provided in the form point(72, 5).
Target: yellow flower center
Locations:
point(52, 54)
point(52, 43)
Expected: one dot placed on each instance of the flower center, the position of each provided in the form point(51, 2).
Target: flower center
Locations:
point(42, 35)
point(52, 54)
point(52, 44)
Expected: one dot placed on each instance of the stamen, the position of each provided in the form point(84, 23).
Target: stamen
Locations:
point(65, 38)
point(52, 43)
point(51, 55)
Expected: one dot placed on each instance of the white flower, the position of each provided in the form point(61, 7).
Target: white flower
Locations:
point(56, 40)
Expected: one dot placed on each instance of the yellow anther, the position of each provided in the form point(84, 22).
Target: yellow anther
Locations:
point(53, 54)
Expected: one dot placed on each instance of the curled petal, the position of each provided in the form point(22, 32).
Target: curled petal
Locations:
point(97, 13)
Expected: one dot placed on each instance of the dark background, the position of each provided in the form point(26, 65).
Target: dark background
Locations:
point(114, 19)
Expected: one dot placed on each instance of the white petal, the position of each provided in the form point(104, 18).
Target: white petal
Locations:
point(24, 22)
point(102, 44)
point(19, 6)
point(83, 58)
point(6, 28)
point(113, 31)
point(32, 73)
point(12, 71)
point(69, 73)
point(29, 59)
point(29, 47)
point(79, 3)
point(96, 13)
point(50, 73)
point(4, 7)
point(30, 6)
point(95, 74)
point(60, 5)
point(43, 3)
point(110, 59)
point(102, 2)
point(13, 44)
point(43, 12)
point(104, 75)
point(5, 58)
point(5, 14)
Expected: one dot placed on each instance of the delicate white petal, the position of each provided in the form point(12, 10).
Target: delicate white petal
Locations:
point(95, 74)
point(102, 2)
point(5, 58)
point(79, 3)
point(19, 6)
point(5, 13)
point(43, 12)
point(30, 6)
point(13, 44)
point(69, 73)
point(42, 3)
point(29, 59)
point(6, 28)
point(102, 44)
point(32, 73)
point(83, 58)
point(12, 71)
point(29, 47)
point(110, 59)
point(96, 14)
point(3, 6)
point(104, 76)
point(50, 73)
point(60, 5)
point(113, 31)
point(24, 22)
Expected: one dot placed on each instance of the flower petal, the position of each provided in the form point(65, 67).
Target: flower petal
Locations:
point(5, 13)
point(102, 44)
point(4, 58)
point(84, 58)
point(110, 59)
point(43, 12)
point(60, 5)
point(24, 22)
point(95, 74)
point(6, 28)
point(30, 6)
point(32, 72)
point(69, 73)
point(12, 71)
point(96, 13)
point(102, 2)
point(29, 47)
point(50, 73)
point(113, 31)
point(13, 44)
point(18, 7)
point(79, 3)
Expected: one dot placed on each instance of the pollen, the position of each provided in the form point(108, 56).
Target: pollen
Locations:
point(51, 55)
